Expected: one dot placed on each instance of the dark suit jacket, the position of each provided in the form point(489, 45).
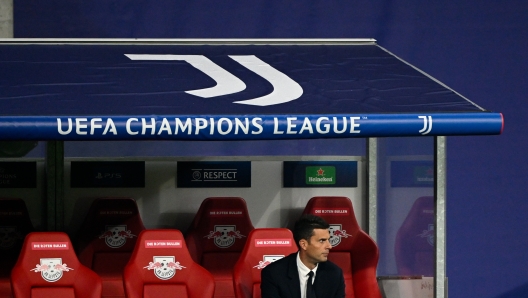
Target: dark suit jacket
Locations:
point(280, 279)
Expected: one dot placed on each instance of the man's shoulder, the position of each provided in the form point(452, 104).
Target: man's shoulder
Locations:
point(280, 264)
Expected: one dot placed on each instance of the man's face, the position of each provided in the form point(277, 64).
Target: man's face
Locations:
point(317, 249)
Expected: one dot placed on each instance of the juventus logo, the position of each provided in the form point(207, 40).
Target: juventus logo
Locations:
point(284, 88)
point(428, 124)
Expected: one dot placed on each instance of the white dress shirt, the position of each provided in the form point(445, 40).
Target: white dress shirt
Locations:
point(303, 275)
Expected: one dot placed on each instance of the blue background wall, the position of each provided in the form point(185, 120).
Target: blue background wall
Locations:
point(476, 47)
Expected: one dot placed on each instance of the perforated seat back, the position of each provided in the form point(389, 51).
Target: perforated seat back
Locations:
point(339, 213)
point(161, 266)
point(217, 236)
point(352, 249)
point(48, 266)
point(263, 246)
point(107, 238)
point(414, 245)
point(15, 224)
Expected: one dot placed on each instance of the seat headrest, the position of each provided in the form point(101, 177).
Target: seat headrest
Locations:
point(423, 206)
point(266, 245)
point(414, 243)
point(13, 212)
point(114, 223)
point(339, 213)
point(418, 227)
point(222, 223)
point(15, 224)
point(161, 255)
point(48, 257)
point(219, 209)
point(104, 208)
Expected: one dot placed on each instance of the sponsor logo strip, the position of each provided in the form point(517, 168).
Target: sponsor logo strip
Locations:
point(226, 212)
point(320, 175)
point(258, 127)
point(197, 174)
point(332, 211)
point(272, 242)
point(50, 246)
point(163, 244)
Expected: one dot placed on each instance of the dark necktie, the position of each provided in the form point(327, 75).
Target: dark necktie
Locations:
point(310, 293)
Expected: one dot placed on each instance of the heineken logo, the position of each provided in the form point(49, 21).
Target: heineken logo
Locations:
point(423, 175)
point(320, 175)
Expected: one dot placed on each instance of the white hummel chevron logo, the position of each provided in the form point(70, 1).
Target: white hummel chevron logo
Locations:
point(284, 88)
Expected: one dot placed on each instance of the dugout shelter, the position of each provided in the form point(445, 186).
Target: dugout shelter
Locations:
point(85, 112)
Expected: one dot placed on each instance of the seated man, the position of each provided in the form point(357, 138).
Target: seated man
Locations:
point(307, 273)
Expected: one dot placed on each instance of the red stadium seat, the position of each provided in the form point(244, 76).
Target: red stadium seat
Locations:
point(161, 266)
point(15, 224)
point(107, 238)
point(353, 250)
point(48, 267)
point(216, 238)
point(414, 246)
point(263, 246)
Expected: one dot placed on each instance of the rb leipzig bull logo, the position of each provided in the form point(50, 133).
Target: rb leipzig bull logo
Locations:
point(116, 236)
point(429, 234)
point(164, 267)
point(267, 259)
point(224, 236)
point(336, 233)
point(51, 269)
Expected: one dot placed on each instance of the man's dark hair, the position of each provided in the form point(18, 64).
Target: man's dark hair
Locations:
point(304, 227)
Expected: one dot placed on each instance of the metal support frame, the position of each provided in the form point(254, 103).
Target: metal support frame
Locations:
point(54, 217)
point(440, 287)
point(372, 186)
point(6, 18)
